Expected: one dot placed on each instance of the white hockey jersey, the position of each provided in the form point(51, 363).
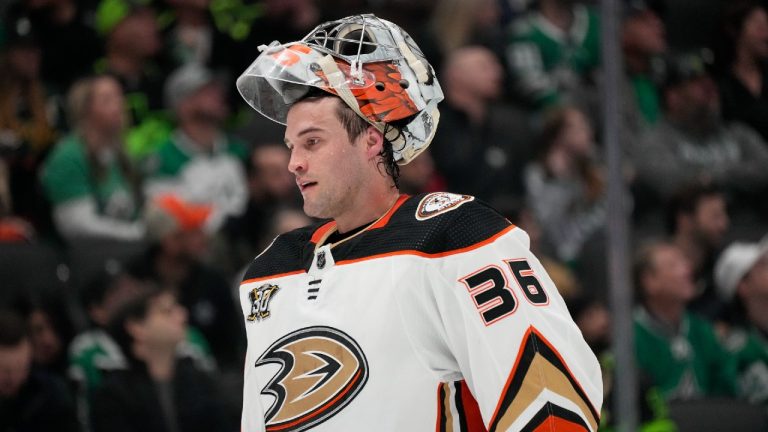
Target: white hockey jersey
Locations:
point(436, 317)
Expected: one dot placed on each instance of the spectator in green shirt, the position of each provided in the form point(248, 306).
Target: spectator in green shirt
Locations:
point(553, 50)
point(89, 181)
point(741, 275)
point(677, 350)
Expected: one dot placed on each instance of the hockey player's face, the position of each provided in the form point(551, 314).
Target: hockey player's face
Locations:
point(329, 168)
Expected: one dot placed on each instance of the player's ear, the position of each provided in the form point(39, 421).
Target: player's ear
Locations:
point(374, 142)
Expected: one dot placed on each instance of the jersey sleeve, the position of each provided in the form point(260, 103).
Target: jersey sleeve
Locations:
point(490, 315)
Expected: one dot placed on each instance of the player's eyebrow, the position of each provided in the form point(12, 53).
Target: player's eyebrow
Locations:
point(305, 131)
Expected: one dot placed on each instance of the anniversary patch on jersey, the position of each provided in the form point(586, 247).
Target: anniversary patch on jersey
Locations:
point(322, 369)
point(259, 298)
point(438, 203)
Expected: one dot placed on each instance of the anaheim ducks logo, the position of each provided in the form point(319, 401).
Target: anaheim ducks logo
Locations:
point(438, 203)
point(322, 370)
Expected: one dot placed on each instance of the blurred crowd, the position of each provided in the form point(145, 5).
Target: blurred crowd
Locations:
point(136, 186)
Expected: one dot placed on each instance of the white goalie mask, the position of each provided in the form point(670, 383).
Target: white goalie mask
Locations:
point(370, 63)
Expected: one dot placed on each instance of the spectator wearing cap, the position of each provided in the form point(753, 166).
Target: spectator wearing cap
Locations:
point(200, 162)
point(175, 261)
point(675, 349)
point(744, 87)
point(691, 143)
point(92, 185)
point(30, 400)
point(741, 274)
point(28, 121)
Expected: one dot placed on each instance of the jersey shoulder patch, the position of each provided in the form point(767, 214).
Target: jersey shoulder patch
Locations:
point(437, 203)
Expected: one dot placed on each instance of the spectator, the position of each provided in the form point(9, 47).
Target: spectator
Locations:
point(279, 20)
point(744, 88)
point(471, 23)
point(94, 190)
point(174, 261)
point(12, 229)
point(69, 45)
point(594, 321)
point(200, 162)
point(564, 184)
point(28, 119)
point(159, 391)
point(271, 187)
point(698, 222)
point(477, 134)
point(553, 51)
point(643, 42)
point(691, 143)
point(133, 44)
point(30, 400)
point(93, 350)
point(676, 350)
point(741, 274)
point(192, 37)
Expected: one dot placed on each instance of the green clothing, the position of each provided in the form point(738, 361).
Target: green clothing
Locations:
point(94, 351)
point(647, 97)
point(683, 364)
point(750, 347)
point(90, 353)
point(544, 60)
point(173, 155)
point(67, 175)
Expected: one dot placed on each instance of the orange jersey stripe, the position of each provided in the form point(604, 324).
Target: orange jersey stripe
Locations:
point(320, 233)
point(275, 276)
point(385, 219)
point(559, 425)
point(471, 410)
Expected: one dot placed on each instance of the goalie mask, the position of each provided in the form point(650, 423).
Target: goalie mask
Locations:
point(370, 63)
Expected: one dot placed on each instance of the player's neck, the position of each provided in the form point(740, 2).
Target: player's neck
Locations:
point(371, 206)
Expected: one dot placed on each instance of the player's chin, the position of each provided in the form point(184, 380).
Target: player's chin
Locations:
point(313, 210)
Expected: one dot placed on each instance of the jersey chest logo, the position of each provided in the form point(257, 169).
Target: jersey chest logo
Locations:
point(438, 203)
point(322, 370)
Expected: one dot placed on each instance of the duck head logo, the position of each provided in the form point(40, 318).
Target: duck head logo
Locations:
point(322, 371)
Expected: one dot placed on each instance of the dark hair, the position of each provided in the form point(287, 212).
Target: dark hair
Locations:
point(643, 262)
point(355, 126)
point(736, 13)
point(100, 285)
point(686, 201)
point(13, 328)
point(135, 309)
